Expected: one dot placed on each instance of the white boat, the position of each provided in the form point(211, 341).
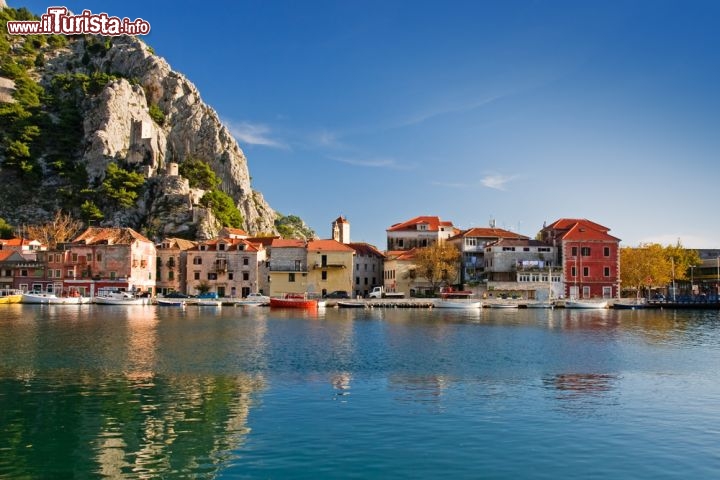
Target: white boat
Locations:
point(540, 305)
point(586, 304)
point(208, 302)
point(119, 298)
point(502, 305)
point(50, 299)
point(458, 303)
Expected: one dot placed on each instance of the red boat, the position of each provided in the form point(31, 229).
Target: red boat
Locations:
point(294, 301)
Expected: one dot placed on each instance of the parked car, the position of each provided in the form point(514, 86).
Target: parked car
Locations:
point(338, 294)
point(176, 295)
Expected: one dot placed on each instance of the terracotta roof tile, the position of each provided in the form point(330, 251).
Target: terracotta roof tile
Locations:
point(434, 224)
point(329, 245)
point(287, 243)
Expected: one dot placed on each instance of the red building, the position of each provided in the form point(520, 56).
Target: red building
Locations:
point(589, 256)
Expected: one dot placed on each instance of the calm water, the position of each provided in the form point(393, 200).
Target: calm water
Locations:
point(147, 392)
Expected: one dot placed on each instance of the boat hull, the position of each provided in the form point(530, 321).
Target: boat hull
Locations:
point(119, 301)
point(50, 299)
point(459, 304)
point(343, 304)
point(293, 303)
point(586, 305)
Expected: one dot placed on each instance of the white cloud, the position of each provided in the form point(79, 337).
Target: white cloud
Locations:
point(495, 181)
point(378, 162)
point(254, 134)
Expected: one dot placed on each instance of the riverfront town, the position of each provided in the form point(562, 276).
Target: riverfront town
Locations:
point(569, 260)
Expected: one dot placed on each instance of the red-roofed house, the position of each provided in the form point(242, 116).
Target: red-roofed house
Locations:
point(117, 258)
point(472, 243)
point(589, 257)
point(400, 275)
point(368, 269)
point(418, 232)
point(288, 267)
point(330, 266)
point(229, 267)
point(172, 265)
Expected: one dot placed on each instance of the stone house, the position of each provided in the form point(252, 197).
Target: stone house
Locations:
point(229, 267)
point(115, 258)
point(368, 268)
point(418, 232)
point(588, 255)
point(472, 243)
point(288, 267)
point(171, 265)
point(330, 266)
point(523, 268)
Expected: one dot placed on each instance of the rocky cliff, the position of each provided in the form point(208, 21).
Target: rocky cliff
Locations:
point(146, 118)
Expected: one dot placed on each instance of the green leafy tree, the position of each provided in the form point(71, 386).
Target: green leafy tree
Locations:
point(91, 212)
point(6, 230)
point(199, 174)
point(223, 207)
point(122, 186)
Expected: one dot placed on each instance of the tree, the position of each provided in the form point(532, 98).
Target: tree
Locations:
point(62, 228)
point(199, 174)
point(122, 186)
point(438, 263)
point(223, 207)
point(6, 230)
point(644, 267)
point(652, 265)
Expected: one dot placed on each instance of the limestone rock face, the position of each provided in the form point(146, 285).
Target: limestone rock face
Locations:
point(119, 128)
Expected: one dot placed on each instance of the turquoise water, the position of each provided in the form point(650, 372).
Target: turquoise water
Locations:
point(146, 392)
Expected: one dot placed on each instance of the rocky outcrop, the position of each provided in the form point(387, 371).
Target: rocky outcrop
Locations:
point(118, 127)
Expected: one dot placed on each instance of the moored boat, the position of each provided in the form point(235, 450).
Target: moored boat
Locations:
point(170, 302)
point(119, 298)
point(208, 302)
point(502, 305)
point(10, 296)
point(458, 303)
point(350, 304)
point(586, 304)
point(50, 299)
point(540, 305)
point(294, 301)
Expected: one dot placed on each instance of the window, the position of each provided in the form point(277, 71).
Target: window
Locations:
point(586, 292)
point(74, 257)
point(246, 276)
point(70, 273)
point(323, 275)
point(543, 249)
point(323, 260)
point(606, 251)
point(508, 249)
point(88, 257)
point(357, 280)
point(573, 272)
point(50, 273)
point(113, 275)
point(470, 242)
point(197, 260)
point(99, 257)
point(246, 261)
point(212, 276)
point(231, 276)
point(573, 251)
point(606, 271)
point(526, 249)
point(585, 251)
point(58, 258)
point(366, 281)
point(586, 271)
point(291, 277)
point(298, 265)
point(171, 275)
point(196, 275)
point(221, 246)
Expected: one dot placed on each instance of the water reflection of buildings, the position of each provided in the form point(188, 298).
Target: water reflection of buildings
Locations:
point(582, 393)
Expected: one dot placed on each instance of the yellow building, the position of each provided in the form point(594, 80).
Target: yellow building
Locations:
point(330, 266)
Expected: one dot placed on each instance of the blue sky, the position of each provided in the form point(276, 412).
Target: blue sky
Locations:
point(517, 111)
